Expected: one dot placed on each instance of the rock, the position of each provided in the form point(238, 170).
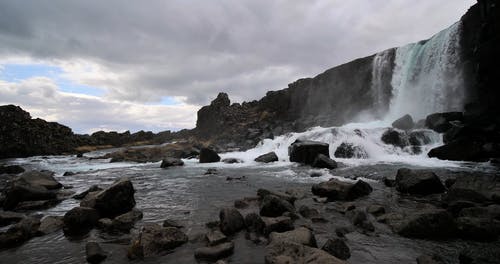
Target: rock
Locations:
point(322, 161)
point(440, 122)
point(283, 252)
point(262, 193)
point(12, 169)
point(80, 220)
point(475, 188)
point(126, 221)
point(418, 182)
point(429, 224)
point(376, 210)
point(93, 188)
point(21, 190)
point(154, 240)
point(277, 224)
point(216, 252)
point(240, 204)
point(94, 253)
point(389, 181)
point(7, 217)
point(462, 150)
point(68, 173)
point(268, 157)
point(308, 212)
point(337, 248)
point(254, 223)
point(241, 178)
point(231, 221)
point(116, 199)
point(342, 231)
point(479, 229)
point(273, 206)
point(207, 156)
point(426, 259)
point(211, 171)
point(338, 190)
point(306, 151)
point(231, 160)
point(171, 162)
point(404, 123)
point(19, 233)
point(172, 223)
point(349, 151)
point(455, 207)
point(215, 237)
point(395, 138)
point(89, 199)
point(41, 178)
point(420, 137)
point(50, 224)
point(300, 235)
point(449, 182)
point(316, 174)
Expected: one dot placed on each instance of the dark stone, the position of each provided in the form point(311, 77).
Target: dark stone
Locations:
point(449, 182)
point(80, 220)
point(418, 182)
point(376, 210)
point(41, 178)
point(262, 193)
point(277, 224)
point(126, 221)
point(395, 138)
point(215, 237)
point(94, 253)
point(281, 252)
point(429, 224)
point(456, 206)
point(50, 224)
point(207, 156)
point(13, 169)
point(465, 150)
point(389, 181)
point(232, 160)
point(155, 240)
point(7, 218)
point(171, 162)
point(268, 157)
point(254, 223)
point(440, 122)
point(306, 151)
point(337, 248)
point(68, 173)
point(300, 235)
point(338, 190)
point(404, 123)
point(231, 221)
point(116, 199)
point(22, 190)
point(216, 252)
point(477, 228)
point(322, 161)
point(474, 188)
point(426, 259)
point(420, 137)
point(93, 188)
point(273, 206)
point(349, 151)
point(308, 212)
point(21, 232)
point(172, 223)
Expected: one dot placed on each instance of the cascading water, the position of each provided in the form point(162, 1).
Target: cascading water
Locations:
point(381, 76)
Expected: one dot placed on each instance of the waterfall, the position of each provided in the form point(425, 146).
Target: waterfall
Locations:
point(381, 77)
point(427, 76)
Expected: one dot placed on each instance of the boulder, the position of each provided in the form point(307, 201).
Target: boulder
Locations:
point(254, 223)
point(7, 217)
point(337, 248)
point(21, 190)
point(231, 221)
point(273, 206)
point(300, 235)
point(94, 253)
point(375, 210)
point(420, 137)
point(307, 212)
point(395, 138)
point(172, 223)
point(126, 221)
point(171, 162)
point(440, 122)
point(155, 240)
point(208, 155)
point(50, 224)
point(339, 190)
point(41, 178)
point(465, 150)
point(80, 220)
point(277, 224)
point(116, 199)
point(478, 228)
point(215, 252)
point(475, 188)
point(215, 237)
point(428, 224)
point(93, 188)
point(268, 157)
point(404, 123)
point(288, 252)
point(418, 182)
point(322, 161)
point(231, 160)
point(306, 151)
point(12, 169)
point(262, 193)
point(19, 233)
point(349, 151)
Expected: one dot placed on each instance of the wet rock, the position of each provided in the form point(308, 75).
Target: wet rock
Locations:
point(307, 212)
point(316, 174)
point(21, 232)
point(126, 221)
point(349, 151)
point(215, 237)
point(418, 182)
point(287, 252)
point(375, 210)
point(262, 193)
point(231, 221)
point(41, 178)
point(37, 205)
point(395, 138)
point(50, 224)
point(392, 219)
point(420, 137)
point(12, 169)
point(21, 190)
point(277, 224)
point(254, 223)
point(68, 173)
point(389, 181)
point(116, 199)
point(479, 229)
point(440, 122)
point(449, 182)
point(300, 235)
point(231, 160)
point(171, 162)
point(242, 178)
point(216, 252)
point(155, 240)
point(240, 204)
point(322, 161)
point(80, 220)
point(429, 224)
point(211, 171)
point(475, 188)
point(93, 188)
point(456, 207)
point(426, 259)
point(306, 151)
point(273, 206)
point(338, 190)
point(463, 150)
point(404, 123)
point(342, 231)
point(208, 156)
point(359, 218)
point(337, 248)
point(268, 157)
point(7, 217)
point(94, 253)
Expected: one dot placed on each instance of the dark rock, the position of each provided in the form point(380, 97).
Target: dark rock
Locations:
point(172, 223)
point(316, 174)
point(231, 160)
point(349, 151)
point(80, 220)
point(440, 122)
point(50, 224)
point(342, 231)
point(426, 259)
point(242, 178)
point(211, 171)
point(429, 224)
point(13, 169)
point(277, 224)
point(404, 123)
point(22, 190)
point(449, 182)
point(231, 221)
point(171, 162)
point(94, 253)
point(306, 151)
point(154, 240)
point(68, 173)
point(93, 188)
point(463, 150)
point(338, 190)
point(357, 217)
point(322, 161)
point(455, 207)
point(475, 188)
point(395, 138)
point(288, 252)
point(418, 182)
point(273, 206)
point(207, 156)
point(116, 199)
point(7, 218)
point(479, 229)
point(268, 157)
point(337, 248)
point(215, 237)
point(216, 252)
point(376, 210)
point(126, 221)
point(262, 193)
point(420, 137)
point(41, 178)
point(390, 181)
point(300, 235)
point(21, 232)
point(254, 223)
point(308, 212)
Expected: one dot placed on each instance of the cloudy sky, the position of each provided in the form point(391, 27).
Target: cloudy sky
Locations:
point(132, 65)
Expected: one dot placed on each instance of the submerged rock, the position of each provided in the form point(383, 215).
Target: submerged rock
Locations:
point(300, 235)
point(154, 240)
point(322, 161)
point(395, 138)
point(208, 156)
point(94, 253)
point(337, 248)
point(418, 182)
point(93, 188)
point(231, 221)
point(19, 233)
point(429, 224)
point(277, 224)
point(215, 252)
point(268, 157)
point(306, 151)
point(404, 123)
point(171, 162)
point(475, 188)
point(287, 252)
point(349, 151)
point(215, 237)
point(339, 190)
point(273, 206)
